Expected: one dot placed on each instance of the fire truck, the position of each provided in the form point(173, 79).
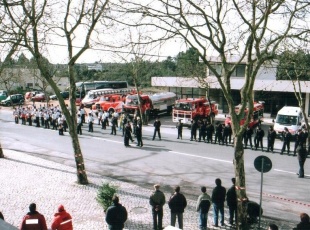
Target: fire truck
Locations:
point(151, 105)
point(257, 116)
point(111, 103)
point(94, 96)
point(189, 109)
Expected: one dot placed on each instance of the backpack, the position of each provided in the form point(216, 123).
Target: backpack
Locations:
point(204, 206)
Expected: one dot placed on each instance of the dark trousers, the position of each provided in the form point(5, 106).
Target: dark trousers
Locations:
point(157, 131)
point(37, 121)
point(79, 129)
point(301, 167)
point(218, 137)
point(232, 214)
point(139, 140)
point(180, 134)
point(180, 219)
point(157, 219)
point(16, 119)
point(259, 141)
point(270, 145)
point(113, 129)
point(90, 127)
point(246, 140)
point(286, 144)
point(203, 220)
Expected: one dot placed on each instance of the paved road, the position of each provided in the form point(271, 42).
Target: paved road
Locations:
point(168, 162)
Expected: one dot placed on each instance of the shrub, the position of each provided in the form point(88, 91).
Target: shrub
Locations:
point(105, 194)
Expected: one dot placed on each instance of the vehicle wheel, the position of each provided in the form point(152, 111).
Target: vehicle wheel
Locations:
point(8, 104)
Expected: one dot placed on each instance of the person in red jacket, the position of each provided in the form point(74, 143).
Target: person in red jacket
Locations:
point(62, 220)
point(33, 220)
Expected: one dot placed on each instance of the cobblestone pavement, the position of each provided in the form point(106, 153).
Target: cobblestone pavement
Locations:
point(26, 179)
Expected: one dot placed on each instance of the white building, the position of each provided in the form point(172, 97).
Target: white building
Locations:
point(275, 93)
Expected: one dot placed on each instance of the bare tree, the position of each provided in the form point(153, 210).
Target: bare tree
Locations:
point(47, 21)
point(232, 32)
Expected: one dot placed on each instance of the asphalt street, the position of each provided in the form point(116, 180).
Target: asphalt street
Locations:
point(169, 162)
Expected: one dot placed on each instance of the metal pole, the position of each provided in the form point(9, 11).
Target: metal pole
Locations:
point(261, 192)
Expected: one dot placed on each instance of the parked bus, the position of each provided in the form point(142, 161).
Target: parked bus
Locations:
point(84, 87)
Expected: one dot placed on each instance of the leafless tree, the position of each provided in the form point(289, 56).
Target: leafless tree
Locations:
point(232, 32)
point(46, 22)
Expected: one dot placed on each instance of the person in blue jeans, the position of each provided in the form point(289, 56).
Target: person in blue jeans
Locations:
point(202, 206)
point(218, 199)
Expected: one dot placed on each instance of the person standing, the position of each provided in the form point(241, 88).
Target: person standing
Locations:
point(90, 121)
point(127, 135)
point(179, 127)
point(248, 137)
point(114, 125)
point(62, 220)
point(202, 130)
point(218, 133)
point(194, 127)
point(177, 203)
point(259, 134)
point(157, 125)
point(139, 133)
point(203, 206)
point(79, 124)
point(271, 138)
point(116, 215)
point(231, 198)
point(286, 136)
point(300, 140)
point(218, 199)
point(301, 156)
point(227, 134)
point(210, 131)
point(157, 201)
point(33, 220)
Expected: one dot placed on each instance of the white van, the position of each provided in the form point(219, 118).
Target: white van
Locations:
point(290, 117)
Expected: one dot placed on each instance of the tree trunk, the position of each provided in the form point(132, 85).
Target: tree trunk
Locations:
point(240, 183)
point(1, 152)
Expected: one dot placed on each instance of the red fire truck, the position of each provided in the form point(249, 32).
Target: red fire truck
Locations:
point(94, 96)
point(257, 117)
point(193, 109)
point(151, 105)
point(111, 103)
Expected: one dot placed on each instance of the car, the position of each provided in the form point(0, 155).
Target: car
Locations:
point(39, 97)
point(14, 99)
point(64, 94)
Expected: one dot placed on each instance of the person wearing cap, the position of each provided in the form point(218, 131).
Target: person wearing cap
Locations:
point(157, 201)
point(62, 220)
point(116, 215)
point(33, 220)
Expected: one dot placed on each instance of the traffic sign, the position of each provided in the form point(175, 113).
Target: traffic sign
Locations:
point(262, 164)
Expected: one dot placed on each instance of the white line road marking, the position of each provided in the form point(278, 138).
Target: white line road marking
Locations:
point(208, 158)
point(283, 171)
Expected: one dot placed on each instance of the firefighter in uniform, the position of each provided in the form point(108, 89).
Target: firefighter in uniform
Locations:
point(62, 219)
point(33, 220)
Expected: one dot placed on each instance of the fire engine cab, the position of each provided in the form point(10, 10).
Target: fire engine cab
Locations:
point(150, 104)
point(193, 109)
point(111, 103)
point(257, 116)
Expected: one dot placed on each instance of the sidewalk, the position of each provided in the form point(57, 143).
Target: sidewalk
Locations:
point(26, 179)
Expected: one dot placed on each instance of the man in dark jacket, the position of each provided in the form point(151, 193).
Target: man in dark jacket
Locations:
point(116, 215)
point(33, 220)
point(231, 198)
point(302, 156)
point(157, 125)
point(218, 199)
point(271, 138)
point(177, 203)
point(286, 136)
point(157, 201)
point(259, 134)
